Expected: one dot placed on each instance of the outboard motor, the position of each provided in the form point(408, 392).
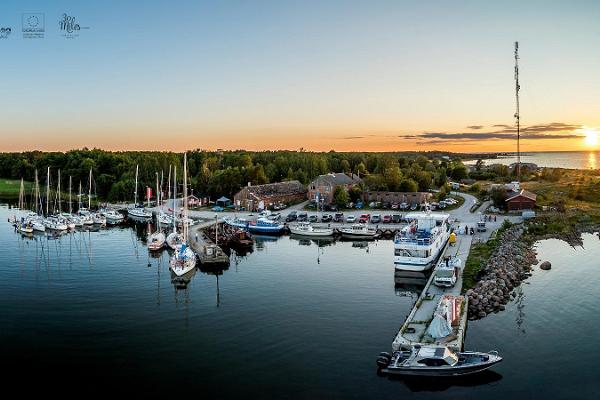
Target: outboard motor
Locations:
point(382, 362)
point(386, 355)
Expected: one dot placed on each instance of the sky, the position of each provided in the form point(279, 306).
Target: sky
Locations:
point(319, 75)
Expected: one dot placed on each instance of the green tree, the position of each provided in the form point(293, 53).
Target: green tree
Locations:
point(340, 197)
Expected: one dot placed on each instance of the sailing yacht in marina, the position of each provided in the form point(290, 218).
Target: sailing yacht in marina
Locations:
point(174, 239)
point(184, 258)
point(418, 245)
point(135, 211)
point(156, 241)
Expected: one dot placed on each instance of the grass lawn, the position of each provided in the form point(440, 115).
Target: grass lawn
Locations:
point(10, 187)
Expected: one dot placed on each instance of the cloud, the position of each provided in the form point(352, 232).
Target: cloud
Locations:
point(474, 127)
point(352, 137)
point(507, 132)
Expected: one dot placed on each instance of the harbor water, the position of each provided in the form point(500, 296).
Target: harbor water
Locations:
point(291, 319)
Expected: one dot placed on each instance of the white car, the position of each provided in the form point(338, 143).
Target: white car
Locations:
point(350, 219)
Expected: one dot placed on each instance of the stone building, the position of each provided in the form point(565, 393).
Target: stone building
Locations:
point(260, 197)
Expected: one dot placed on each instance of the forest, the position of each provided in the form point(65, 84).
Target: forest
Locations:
point(216, 173)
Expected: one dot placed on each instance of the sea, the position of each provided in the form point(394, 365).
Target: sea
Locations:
point(92, 312)
point(557, 159)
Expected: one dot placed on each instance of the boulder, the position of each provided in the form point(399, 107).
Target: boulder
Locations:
point(545, 265)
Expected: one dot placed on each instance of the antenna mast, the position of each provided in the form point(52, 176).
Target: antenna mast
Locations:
point(517, 114)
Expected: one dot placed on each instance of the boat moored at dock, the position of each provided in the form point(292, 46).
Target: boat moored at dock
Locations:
point(359, 231)
point(418, 245)
point(307, 229)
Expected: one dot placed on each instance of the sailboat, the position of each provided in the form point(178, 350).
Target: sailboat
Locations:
point(135, 211)
point(35, 218)
point(156, 241)
point(97, 217)
point(52, 222)
point(174, 237)
point(184, 259)
point(84, 214)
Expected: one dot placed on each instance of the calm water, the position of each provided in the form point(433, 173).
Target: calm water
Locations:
point(566, 159)
point(290, 320)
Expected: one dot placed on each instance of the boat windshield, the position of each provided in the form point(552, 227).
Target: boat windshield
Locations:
point(445, 272)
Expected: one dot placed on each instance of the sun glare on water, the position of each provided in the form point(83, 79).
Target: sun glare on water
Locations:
point(591, 137)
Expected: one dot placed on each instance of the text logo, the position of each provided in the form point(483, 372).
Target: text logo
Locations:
point(5, 32)
point(69, 27)
point(33, 25)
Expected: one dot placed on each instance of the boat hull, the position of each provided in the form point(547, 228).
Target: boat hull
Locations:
point(315, 233)
point(441, 372)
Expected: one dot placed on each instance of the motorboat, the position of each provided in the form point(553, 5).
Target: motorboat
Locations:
point(139, 212)
point(266, 226)
point(98, 219)
point(447, 271)
point(435, 361)
point(359, 231)
point(418, 246)
point(113, 217)
point(307, 229)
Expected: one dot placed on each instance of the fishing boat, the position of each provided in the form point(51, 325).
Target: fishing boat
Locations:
point(184, 258)
point(266, 226)
point(307, 229)
point(137, 211)
point(447, 272)
point(418, 246)
point(359, 231)
point(435, 361)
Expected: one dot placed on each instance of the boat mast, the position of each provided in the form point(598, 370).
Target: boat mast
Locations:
point(47, 191)
point(37, 193)
point(22, 195)
point(185, 200)
point(70, 199)
point(59, 206)
point(80, 194)
point(174, 198)
point(137, 168)
point(90, 192)
point(157, 202)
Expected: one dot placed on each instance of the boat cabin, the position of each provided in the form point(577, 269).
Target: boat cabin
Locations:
point(434, 356)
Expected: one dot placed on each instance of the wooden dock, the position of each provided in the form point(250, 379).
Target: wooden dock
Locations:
point(414, 329)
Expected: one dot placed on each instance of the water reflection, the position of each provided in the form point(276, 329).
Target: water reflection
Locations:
point(409, 283)
point(592, 163)
point(440, 384)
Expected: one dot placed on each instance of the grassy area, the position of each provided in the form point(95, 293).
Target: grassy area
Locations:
point(10, 188)
point(567, 188)
point(479, 254)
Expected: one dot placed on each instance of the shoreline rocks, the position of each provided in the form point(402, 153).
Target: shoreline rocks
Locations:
point(545, 265)
point(509, 265)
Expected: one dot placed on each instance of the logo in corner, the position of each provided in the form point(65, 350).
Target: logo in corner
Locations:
point(33, 25)
point(69, 27)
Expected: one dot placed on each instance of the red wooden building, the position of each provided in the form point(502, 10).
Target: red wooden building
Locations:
point(523, 200)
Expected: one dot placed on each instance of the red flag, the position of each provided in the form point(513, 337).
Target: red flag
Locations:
point(148, 193)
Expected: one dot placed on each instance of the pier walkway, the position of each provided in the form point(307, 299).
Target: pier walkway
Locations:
point(414, 329)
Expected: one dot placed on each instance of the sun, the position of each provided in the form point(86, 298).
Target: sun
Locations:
point(591, 137)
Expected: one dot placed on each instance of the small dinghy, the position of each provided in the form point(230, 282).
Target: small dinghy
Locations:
point(435, 361)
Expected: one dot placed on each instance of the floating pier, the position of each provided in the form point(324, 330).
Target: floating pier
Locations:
point(414, 329)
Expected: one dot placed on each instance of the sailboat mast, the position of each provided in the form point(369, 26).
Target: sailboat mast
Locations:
point(137, 169)
point(175, 198)
point(37, 193)
point(517, 114)
point(90, 192)
point(59, 206)
point(157, 202)
point(48, 192)
point(80, 194)
point(70, 199)
point(21, 195)
point(185, 200)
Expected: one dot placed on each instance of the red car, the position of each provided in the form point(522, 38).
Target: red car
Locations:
point(387, 219)
point(364, 218)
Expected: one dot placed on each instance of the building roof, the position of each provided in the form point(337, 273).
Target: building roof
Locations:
point(523, 193)
point(339, 178)
point(277, 189)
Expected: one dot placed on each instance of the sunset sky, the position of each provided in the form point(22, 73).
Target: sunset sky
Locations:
point(343, 75)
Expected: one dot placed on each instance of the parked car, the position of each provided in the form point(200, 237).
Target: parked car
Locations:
point(302, 217)
point(403, 206)
point(364, 218)
point(387, 219)
point(396, 218)
point(313, 218)
point(351, 219)
point(338, 217)
point(292, 216)
point(413, 207)
point(441, 205)
point(395, 206)
point(360, 205)
point(326, 218)
point(375, 219)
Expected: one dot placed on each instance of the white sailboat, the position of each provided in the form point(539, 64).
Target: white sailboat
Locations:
point(135, 211)
point(184, 259)
point(156, 241)
point(84, 213)
point(35, 218)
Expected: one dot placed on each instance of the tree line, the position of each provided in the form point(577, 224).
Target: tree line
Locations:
point(217, 173)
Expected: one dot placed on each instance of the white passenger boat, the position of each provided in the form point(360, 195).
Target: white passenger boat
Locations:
point(359, 231)
point(307, 229)
point(418, 245)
